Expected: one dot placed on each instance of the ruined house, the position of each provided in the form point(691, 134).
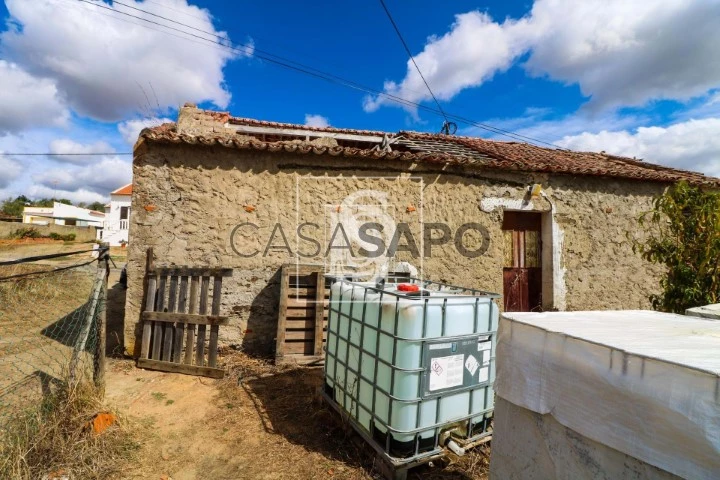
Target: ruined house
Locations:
point(546, 228)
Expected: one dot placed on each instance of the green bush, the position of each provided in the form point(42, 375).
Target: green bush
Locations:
point(31, 232)
point(70, 237)
point(27, 232)
point(685, 223)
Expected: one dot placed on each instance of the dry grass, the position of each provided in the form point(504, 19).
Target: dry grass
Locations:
point(56, 438)
point(43, 298)
point(285, 398)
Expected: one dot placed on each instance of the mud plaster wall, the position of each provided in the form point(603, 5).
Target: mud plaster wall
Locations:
point(188, 199)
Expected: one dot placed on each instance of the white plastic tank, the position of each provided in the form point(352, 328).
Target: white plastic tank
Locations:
point(381, 369)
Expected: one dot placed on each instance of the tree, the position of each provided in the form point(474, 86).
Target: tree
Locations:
point(14, 207)
point(686, 240)
point(44, 202)
point(97, 206)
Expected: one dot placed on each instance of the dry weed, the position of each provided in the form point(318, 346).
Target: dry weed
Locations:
point(56, 438)
point(286, 399)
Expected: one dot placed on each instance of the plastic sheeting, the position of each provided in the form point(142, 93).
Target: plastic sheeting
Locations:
point(644, 383)
point(708, 311)
point(530, 446)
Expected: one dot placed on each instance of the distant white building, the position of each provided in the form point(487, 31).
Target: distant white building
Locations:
point(117, 217)
point(62, 214)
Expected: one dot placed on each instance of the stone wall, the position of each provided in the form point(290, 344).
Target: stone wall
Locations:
point(82, 234)
point(187, 200)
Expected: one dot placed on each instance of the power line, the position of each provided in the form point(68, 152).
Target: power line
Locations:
point(251, 50)
point(412, 59)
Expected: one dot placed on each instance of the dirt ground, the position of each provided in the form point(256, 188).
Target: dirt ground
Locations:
point(267, 425)
point(260, 422)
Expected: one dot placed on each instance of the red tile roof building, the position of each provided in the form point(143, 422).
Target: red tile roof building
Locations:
point(411, 146)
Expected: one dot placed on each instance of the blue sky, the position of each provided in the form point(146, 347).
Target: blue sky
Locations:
point(630, 77)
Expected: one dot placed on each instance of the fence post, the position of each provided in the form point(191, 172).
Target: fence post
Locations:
point(95, 304)
point(100, 345)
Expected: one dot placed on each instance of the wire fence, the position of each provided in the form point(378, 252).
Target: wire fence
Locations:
point(51, 326)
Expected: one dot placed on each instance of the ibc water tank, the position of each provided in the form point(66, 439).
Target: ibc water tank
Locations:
point(407, 366)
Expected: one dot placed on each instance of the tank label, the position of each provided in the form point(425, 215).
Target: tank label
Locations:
point(454, 366)
point(471, 364)
point(446, 372)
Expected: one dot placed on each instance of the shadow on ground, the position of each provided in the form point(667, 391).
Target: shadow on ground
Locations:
point(288, 404)
point(69, 328)
point(115, 312)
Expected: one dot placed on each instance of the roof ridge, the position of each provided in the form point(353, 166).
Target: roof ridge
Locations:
point(328, 129)
point(503, 156)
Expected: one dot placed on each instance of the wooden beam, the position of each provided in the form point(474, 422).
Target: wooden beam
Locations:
point(147, 326)
point(200, 346)
point(301, 292)
point(214, 333)
point(282, 311)
point(181, 368)
point(300, 359)
point(192, 308)
point(194, 319)
point(308, 334)
point(319, 312)
point(294, 302)
point(300, 313)
point(192, 272)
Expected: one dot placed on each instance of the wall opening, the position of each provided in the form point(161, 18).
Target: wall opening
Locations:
point(522, 261)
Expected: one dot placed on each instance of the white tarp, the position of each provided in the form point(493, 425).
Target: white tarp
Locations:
point(644, 383)
point(707, 311)
point(530, 446)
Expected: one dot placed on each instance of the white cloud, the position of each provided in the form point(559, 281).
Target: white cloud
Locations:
point(68, 151)
point(620, 52)
point(107, 65)
point(101, 177)
point(75, 196)
point(690, 145)
point(535, 124)
point(130, 129)
point(10, 170)
point(316, 121)
point(27, 101)
point(472, 51)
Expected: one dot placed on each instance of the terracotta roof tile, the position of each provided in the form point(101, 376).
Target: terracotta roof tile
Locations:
point(125, 190)
point(437, 148)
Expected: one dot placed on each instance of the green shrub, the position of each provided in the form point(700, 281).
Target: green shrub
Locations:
point(70, 237)
point(26, 232)
point(685, 223)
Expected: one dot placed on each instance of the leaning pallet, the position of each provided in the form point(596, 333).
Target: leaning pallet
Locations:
point(176, 320)
point(302, 316)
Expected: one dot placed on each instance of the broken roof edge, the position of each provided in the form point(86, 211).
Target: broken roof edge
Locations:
point(508, 156)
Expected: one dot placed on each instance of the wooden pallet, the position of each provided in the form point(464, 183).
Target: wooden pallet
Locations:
point(302, 316)
point(175, 320)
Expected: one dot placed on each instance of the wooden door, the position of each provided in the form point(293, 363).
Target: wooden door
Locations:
point(522, 269)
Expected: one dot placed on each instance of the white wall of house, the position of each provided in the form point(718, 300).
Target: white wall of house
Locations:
point(62, 214)
point(117, 220)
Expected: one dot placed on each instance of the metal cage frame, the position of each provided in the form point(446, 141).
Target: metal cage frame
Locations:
point(441, 291)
